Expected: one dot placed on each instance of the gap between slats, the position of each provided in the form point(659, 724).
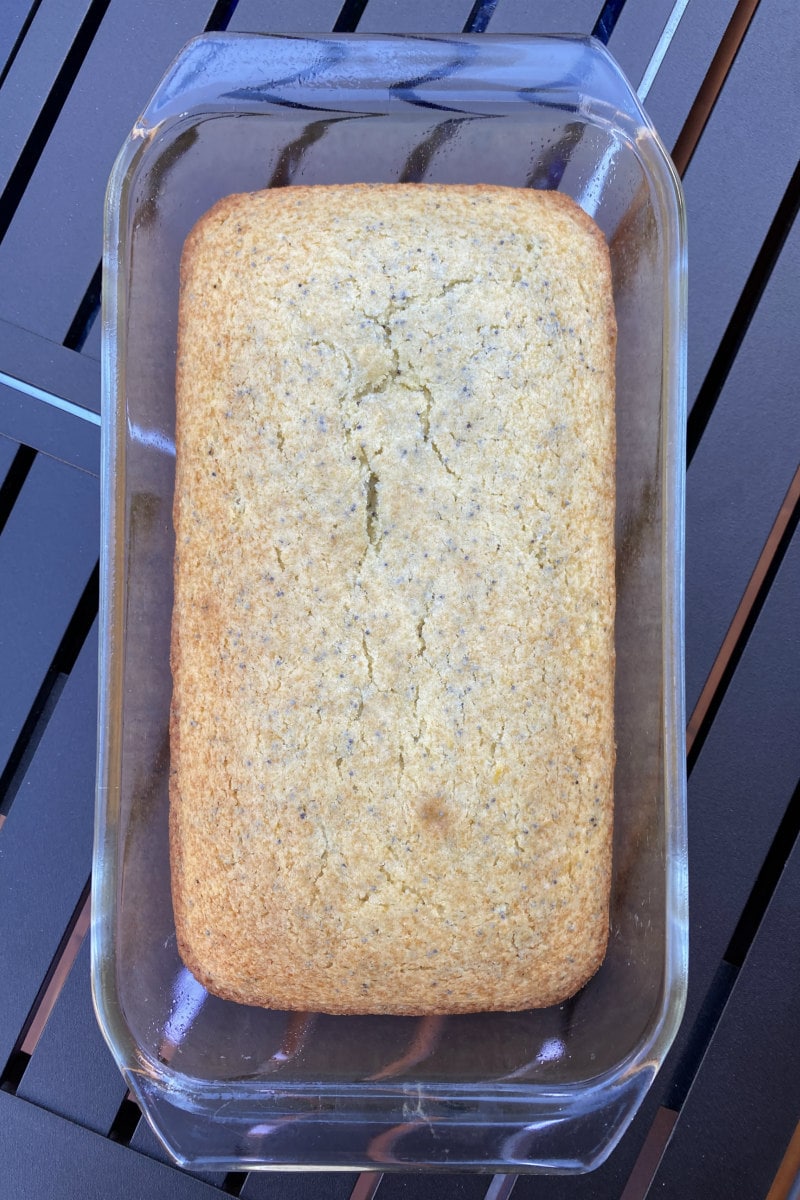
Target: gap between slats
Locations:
point(733, 647)
point(763, 575)
point(743, 622)
point(87, 314)
point(43, 706)
point(786, 1184)
point(609, 15)
point(781, 847)
point(712, 85)
point(743, 313)
point(221, 15)
point(682, 153)
point(347, 22)
point(367, 1186)
point(126, 1122)
point(31, 152)
point(126, 1119)
point(54, 980)
point(480, 16)
point(34, 8)
point(62, 965)
point(736, 951)
point(89, 308)
point(650, 1155)
point(349, 16)
point(710, 1014)
point(233, 1183)
point(13, 483)
point(744, 619)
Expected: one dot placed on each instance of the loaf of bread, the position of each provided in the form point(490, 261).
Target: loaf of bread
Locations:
point(392, 741)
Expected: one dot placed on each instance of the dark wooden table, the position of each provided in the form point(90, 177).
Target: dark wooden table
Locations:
point(722, 83)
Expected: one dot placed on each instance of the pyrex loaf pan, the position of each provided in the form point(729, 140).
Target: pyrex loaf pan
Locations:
point(230, 1086)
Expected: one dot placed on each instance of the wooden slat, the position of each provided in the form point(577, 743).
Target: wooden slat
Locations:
point(60, 435)
point(501, 1187)
point(540, 16)
point(52, 257)
point(71, 1071)
point(658, 1135)
point(747, 610)
point(15, 16)
point(407, 1186)
point(74, 937)
point(251, 16)
point(745, 775)
point(745, 1103)
point(708, 94)
point(265, 16)
point(43, 1154)
point(46, 847)
point(48, 549)
point(685, 63)
point(738, 793)
point(636, 33)
point(414, 16)
point(49, 365)
point(298, 1186)
point(278, 1186)
point(742, 469)
point(398, 16)
point(367, 1185)
point(758, 113)
point(145, 1142)
point(747, 724)
point(27, 85)
point(8, 451)
point(451, 16)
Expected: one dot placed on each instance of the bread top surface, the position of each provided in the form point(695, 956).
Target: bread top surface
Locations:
point(392, 735)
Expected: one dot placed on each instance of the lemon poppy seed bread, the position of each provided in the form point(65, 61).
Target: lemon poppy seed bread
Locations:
point(392, 742)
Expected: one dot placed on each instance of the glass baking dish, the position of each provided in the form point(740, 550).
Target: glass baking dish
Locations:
point(228, 1086)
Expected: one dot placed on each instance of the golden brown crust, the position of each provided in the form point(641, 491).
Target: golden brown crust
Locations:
point(392, 723)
